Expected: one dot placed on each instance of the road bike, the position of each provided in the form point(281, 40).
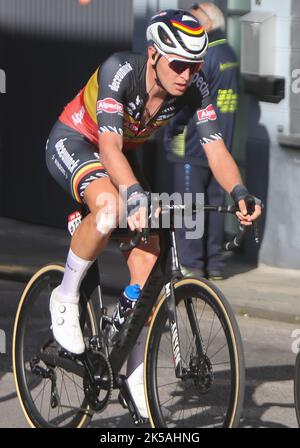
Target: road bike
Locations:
point(194, 372)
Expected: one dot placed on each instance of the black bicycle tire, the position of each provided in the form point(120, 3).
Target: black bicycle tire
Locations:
point(297, 388)
point(34, 419)
point(150, 353)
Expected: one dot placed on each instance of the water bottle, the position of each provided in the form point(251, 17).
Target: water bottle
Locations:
point(124, 308)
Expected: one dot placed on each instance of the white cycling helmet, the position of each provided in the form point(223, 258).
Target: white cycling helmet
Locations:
point(178, 32)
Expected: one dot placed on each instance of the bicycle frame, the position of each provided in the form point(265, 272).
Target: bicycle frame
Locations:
point(165, 273)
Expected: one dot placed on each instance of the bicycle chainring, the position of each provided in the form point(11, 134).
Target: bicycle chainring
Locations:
point(99, 393)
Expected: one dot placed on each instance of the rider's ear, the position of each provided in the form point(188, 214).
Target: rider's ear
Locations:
point(152, 54)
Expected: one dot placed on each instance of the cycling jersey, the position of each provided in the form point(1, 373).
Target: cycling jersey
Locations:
point(114, 98)
point(221, 69)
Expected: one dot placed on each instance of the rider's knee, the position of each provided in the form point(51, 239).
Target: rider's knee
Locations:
point(106, 213)
point(105, 221)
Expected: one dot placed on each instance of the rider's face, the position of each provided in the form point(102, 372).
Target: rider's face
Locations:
point(176, 75)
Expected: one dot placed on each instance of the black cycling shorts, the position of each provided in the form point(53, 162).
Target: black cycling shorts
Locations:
point(74, 161)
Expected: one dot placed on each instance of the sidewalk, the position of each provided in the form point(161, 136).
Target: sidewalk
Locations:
point(264, 292)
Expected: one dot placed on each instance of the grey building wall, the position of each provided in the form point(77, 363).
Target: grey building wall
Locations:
point(50, 49)
point(143, 11)
point(281, 243)
point(102, 20)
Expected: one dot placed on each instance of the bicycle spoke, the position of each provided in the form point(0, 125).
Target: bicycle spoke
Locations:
point(203, 397)
point(67, 405)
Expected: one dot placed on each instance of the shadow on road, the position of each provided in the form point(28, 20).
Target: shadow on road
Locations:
point(254, 414)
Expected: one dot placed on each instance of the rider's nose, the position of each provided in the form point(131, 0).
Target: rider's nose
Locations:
point(186, 74)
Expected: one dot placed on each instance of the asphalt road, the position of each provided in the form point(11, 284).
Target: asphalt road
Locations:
point(269, 400)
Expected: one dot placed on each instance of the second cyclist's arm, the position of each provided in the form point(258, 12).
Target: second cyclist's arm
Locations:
point(112, 157)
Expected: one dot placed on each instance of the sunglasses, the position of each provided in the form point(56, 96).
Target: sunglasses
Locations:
point(181, 66)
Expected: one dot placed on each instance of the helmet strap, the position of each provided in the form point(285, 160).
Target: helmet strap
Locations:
point(157, 80)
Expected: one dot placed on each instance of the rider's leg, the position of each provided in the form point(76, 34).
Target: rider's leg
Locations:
point(89, 239)
point(91, 236)
point(140, 262)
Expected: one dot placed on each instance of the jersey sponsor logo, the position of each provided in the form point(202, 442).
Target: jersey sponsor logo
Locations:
point(74, 221)
point(65, 156)
point(201, 83)
point(119, 76)
point(206, 114)
point(110, 106)
point(77, 117)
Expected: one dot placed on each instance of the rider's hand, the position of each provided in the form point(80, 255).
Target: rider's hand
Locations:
point(250, 207)
point(137, 208)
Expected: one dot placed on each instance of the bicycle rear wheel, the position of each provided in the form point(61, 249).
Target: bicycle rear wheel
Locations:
point(211, 391)
point(50, 395)
point(297, 388)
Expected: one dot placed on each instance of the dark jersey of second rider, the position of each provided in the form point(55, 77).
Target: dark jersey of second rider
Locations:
point(114, 98)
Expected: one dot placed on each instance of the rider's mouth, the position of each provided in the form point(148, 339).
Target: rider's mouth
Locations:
point(181, 87)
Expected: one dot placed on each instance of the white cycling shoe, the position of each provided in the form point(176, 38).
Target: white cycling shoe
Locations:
point(136, 385)
point(65, 323)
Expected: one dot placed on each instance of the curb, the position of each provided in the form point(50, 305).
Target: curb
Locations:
point(264, 313)
point(23, 275)
point(16, 273)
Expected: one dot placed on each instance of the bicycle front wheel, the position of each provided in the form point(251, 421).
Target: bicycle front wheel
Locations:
point(51, 395)
point(210, 391)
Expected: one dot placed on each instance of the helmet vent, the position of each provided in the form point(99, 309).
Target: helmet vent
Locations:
point(164, 37)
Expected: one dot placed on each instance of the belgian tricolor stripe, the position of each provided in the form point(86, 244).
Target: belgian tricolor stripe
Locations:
point(85, 171)
point(188, 29)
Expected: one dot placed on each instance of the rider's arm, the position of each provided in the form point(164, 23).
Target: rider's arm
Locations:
point(222, 165)
point(113, 82)
point(112, 157)
point(220, 161)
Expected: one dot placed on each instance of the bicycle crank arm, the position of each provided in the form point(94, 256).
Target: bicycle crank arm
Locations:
point(127, 397)
point(65, 363)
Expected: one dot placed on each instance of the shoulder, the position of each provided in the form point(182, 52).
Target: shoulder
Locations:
point(121, 68)
point(221, 53)
point(125, 60)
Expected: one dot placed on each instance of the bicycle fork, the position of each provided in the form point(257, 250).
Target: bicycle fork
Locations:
point(174, 332)
point(172, 316)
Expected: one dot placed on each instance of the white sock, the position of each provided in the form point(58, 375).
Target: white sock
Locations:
point(75, 271)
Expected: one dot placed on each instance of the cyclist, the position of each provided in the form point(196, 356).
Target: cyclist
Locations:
point(89, 153)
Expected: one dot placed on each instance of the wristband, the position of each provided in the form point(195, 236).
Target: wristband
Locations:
point(238, 193)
